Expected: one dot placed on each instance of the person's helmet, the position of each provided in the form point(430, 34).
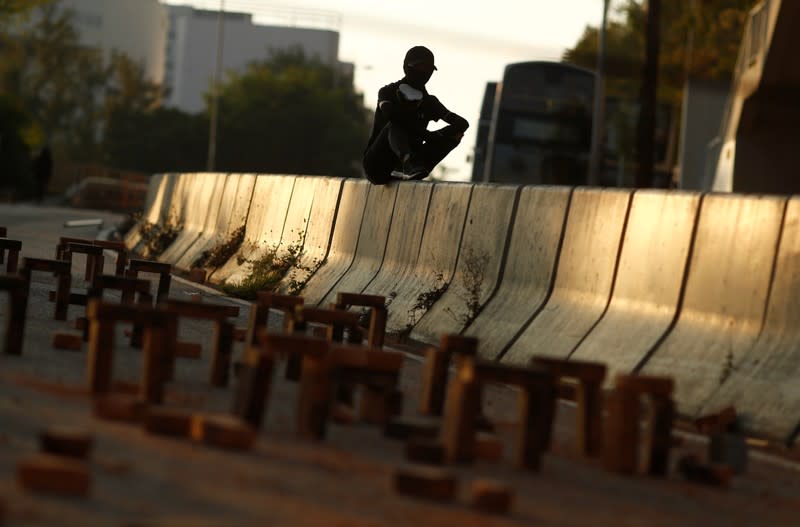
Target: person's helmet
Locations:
point(419, 65)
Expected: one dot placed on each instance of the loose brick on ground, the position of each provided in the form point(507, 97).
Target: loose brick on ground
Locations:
point(54, 474)
point(491, 496)
point(427, 451)
point(425, 482)
point(224, 431)
point(119, 407)
point(168, 421)
point(67, 340)
point(407, 427)
point(66, 441)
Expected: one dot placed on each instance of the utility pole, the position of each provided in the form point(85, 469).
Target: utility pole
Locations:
point(647, 108)
point(599, 106)
point(214, 110)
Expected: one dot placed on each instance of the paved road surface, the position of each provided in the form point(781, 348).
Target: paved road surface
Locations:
point(344, 481)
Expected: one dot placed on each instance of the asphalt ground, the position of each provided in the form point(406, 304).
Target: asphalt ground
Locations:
point(345, 480)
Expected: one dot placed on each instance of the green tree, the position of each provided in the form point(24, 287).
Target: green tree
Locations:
point(17, 7)
point(55, 80)
point(155, 140)
point(698, 39)
point(14, 153)
point(291, 114)
point(717, 27)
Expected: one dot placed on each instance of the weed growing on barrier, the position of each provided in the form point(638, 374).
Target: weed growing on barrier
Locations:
point(269, 270)
point(300, 274)
point(128, 223)
point(473, 276)
point(426, 299)
point(728, 368)
point(157, 237)
point(222, 252)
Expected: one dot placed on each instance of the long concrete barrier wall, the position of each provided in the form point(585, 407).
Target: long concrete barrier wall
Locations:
point(156, 190)
point(412, 207)
point(480, 259)
point(725, 298)
point(317, 237)
point(231, 215)
point(649, 280)
point(528, 270)
point(420, 285)
point(371, 245)
point(582, 287)
point(763, 382)
point(346, 229)
point(263, 229)
point(701, 288)
point(202, 207)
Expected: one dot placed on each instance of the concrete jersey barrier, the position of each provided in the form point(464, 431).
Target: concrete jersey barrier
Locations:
point(175, 211)
point(202, 207)
point(584, 277)
point(371, 242)
point(416, 288)
point(160, 191)
point(528, 270)
point(319, 227)
point(725, 296)
point(223, 184)
point(411, 208)
point(479, 262)
point(650, 276)
point(218, 226)
point(264, 226)
point(762, 383)
point(346, 228)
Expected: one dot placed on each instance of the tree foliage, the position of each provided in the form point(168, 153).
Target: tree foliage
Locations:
point(717, 27)
point(291, 114)
point(285, 113)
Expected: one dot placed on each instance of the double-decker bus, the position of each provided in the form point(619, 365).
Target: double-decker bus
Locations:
point(541, 125)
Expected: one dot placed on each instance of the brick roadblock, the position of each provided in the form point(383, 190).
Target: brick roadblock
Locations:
point(584, 277)
point(441, 239)
point(371, 245)
point(232, 214)
point(762, 385)
point(343, 242)
point(402, 246)
point(725, 296)
point(528, 271)
point(201, 204)
point(159, 193)
point(318, 230)
point(644, 302)
point(486, 234)
point(265, 220)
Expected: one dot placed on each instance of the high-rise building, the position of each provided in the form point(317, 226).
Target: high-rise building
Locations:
point(191, 50)
point(137, 28)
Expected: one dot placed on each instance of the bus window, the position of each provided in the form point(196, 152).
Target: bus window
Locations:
point(541, 125)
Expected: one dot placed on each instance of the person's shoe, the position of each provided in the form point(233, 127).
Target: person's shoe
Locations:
point(414, 169)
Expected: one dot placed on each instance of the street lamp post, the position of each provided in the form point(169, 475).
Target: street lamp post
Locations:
point(599, 107)
point(214, 110)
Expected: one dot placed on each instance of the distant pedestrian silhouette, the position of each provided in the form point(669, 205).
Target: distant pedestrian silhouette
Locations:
point(400, 139)
point(42, 172)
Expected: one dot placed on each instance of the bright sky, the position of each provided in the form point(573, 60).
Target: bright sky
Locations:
point(472, 41)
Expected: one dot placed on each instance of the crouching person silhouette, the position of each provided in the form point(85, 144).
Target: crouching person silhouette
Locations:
point(401, 147)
